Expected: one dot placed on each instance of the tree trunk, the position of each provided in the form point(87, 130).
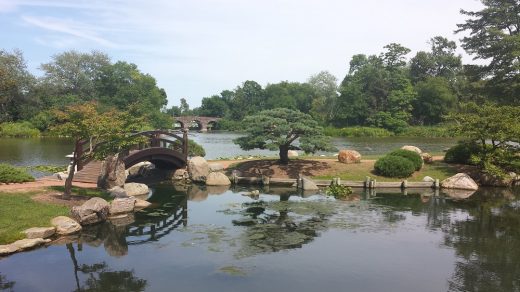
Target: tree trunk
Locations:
point(68, 181)
point(284, 154)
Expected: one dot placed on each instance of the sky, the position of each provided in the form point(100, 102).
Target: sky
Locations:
point(197, 48)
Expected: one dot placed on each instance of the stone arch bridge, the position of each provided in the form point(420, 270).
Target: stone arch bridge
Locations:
point(203, 122)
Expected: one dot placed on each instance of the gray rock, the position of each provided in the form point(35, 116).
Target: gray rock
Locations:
point(65, 225)
point(29, 243)
point(118, 192)
point(92, 211)
point(141, 204)
point(308, 185)
point(292, 153)
point(215, 167)
point(427, 158)
point(112, 173)
point(428, 179)
point(122, 206)
point(412, 148)
point(136, 189)
point(139, 169)
point(217, 179)
point(198, 169)
point(180, 174)
point(460, 181)
point(39, 232)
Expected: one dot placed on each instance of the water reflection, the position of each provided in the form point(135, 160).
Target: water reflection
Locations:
point(6, 285)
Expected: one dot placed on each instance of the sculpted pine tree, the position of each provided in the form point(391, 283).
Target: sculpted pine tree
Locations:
point(280, 129)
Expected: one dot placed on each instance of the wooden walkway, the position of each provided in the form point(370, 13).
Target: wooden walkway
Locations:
point(89, 173)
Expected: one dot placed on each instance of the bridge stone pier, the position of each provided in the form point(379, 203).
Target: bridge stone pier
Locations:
point(203, 122)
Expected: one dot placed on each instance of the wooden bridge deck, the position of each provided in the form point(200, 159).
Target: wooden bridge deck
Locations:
point(89, 173)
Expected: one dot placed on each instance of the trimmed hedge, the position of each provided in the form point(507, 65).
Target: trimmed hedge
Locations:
point(414, 157)
point(11, 174)
point(394, 166)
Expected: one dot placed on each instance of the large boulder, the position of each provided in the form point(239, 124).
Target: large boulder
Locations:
point(136, 189)
point(141, 204)
point(139, 169)
point(292, 153)
point(412, 148)
point(308, 184)
point(349, 156)
point(180, 174)
point(65, 225)
point(427, 157)
point(39, 232)
point(112, 173)
point(118, 192)
point(198, 169)
point(92, 211)
point(8, 249)
point(217, 179)
point(460, 181)
point(122, 206)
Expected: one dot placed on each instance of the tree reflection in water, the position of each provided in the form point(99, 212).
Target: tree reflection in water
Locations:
point(6, 285)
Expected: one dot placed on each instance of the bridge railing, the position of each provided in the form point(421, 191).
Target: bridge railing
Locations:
point(175, 140)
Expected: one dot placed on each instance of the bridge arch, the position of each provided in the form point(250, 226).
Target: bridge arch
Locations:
point(204, 122)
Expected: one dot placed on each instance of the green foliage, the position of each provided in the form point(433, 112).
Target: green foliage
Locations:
point(338, 191)
point(394, 166)
point(194, 149)
point(462, 152)
point(230, 125)
point(413, 156)
point(435, 98)
point(18, 129)
point(357, 132)
point(279, 129)
point(18, 211)
point(428, 131)
point(11, 174)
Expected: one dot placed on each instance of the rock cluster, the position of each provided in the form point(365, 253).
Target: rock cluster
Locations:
point(199, 170)
point(92, 211)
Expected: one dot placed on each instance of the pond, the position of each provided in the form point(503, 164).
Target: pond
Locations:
point(201, 239)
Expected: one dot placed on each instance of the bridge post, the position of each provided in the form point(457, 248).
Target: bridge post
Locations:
point(78, 153)
point(185, 144)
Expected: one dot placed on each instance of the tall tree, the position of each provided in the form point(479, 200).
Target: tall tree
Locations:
point(248, 98)
point(435, 99)
point(280, 129)
point(441, 61)
point(494, 37)
point(326, 86)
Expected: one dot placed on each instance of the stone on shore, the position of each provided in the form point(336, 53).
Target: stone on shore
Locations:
point(428, 179)
point(215, 167)
point(412, 148)
point(180, 174)
point(65, 225)
point(122, 206)
point(198, 169)
point(292, 153)
point(39, 232)
point(8, 249)
point(92, 211)
point(139, 169)
point(29, 243)
point(460, 181)
point(427, 158)
point(217, 179)
point(308, 185)
point(112, 173)
point(136, 189)
point(349, 156)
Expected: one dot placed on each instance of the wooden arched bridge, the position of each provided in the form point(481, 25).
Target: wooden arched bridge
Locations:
point(203, 122)
point(165, 149)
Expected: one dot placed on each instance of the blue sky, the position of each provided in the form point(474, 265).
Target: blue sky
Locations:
point(199, 48)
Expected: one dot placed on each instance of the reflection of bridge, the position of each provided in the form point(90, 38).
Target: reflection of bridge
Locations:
point(203, 122)
point(164, 149)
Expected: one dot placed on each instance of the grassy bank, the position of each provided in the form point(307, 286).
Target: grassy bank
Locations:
point(416, 131)
point(19, 212)
point(359, 171)
point(18, 129)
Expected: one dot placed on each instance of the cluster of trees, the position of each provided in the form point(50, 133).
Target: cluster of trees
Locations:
point(391, 90)
point(74, 78)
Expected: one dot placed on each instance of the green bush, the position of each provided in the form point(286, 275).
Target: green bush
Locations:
point(428, 131)
point(462, 153)
point(18, 129)
point(194, 149)
point(394, 166)
point(357, 132)
point(414, 157)
point(11, 174)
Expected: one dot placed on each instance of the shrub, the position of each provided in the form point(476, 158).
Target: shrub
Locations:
point(414, 157)
point(428, 131)
point(11, 174)
point(194, 149)
point(394, 166)
point(462, 152)
point(338, 191)
point(18, 129)
point(357, 132)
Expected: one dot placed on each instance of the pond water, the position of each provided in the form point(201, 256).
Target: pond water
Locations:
point(52, 151)
point(216, 239)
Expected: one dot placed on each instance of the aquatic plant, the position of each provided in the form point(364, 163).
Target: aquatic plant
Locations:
point(338, 191)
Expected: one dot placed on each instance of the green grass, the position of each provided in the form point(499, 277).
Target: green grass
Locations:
point(85, 192)
point(19, 212)
point(18, 129)
point(359, 171)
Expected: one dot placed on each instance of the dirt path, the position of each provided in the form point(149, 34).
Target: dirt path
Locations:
point(40, 184)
